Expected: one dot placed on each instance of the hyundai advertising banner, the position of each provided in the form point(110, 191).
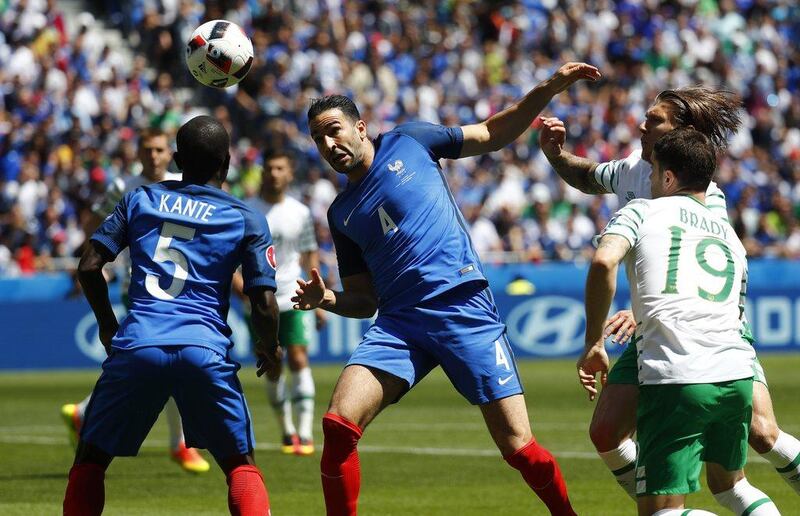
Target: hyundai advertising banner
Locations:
point(42, 326)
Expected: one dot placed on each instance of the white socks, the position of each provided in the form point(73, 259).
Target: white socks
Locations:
point(303, 402)
point(622, 463)
point(683, 512)
point(276, 392)
point(785, 458)
point(746, 499)
point(174, 423)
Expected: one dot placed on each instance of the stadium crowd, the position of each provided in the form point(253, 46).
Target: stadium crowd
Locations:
point(72, 100)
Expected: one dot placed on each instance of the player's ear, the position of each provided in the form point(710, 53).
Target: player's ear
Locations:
point(361, 127)
point(223, 171)
point(670, 180)
point(177, 157)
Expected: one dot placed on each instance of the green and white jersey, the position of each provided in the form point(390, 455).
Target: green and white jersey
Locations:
point(687, 271)
point(292, 228)
point(629, 179)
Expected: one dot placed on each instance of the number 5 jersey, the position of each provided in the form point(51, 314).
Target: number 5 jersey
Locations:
point(185, 242)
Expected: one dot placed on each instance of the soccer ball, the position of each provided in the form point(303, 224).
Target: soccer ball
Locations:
point(219, 54)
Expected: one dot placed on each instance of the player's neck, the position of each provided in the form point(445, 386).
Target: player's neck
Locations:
point(273, 197)
point(698, 196)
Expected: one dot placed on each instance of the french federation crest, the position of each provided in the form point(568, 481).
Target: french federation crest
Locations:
point(397, 167)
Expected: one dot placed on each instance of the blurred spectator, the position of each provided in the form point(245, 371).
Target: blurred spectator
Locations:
point(72, 99)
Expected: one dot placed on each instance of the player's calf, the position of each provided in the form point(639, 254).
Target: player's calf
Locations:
point(85, 495)
point(743, 498)
point(779, 448)
point(247, 494)
point(339, 467)
point(541, 472)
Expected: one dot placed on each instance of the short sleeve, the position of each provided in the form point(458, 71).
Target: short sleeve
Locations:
point(113, 232)
point(627, 222)
point(308, 238)
point(258, 253)
point(607, 175)
point(715, 201)
point(106, 205)
point(440, 141)
point(348, 254)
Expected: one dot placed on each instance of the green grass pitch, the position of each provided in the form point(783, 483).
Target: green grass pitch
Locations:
point(428, 455)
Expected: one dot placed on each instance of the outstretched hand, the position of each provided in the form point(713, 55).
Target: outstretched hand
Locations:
point(310, 294)
point(571, 73)
point(592, 361)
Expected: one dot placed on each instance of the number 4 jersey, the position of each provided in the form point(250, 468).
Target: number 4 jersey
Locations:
point(185, 243)
point(687, 271)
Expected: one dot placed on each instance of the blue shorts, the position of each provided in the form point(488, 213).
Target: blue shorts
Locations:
point(136, 383)
point(459, 330)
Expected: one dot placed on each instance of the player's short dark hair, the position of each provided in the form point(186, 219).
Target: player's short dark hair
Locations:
point(150, 132)
point(203, 145)
point(690, 155)
point(715, 113)
point(271, 154)
point(329, 102)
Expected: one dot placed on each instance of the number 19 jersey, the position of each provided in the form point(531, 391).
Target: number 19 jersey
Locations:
point(687, 271)
point(185, 243)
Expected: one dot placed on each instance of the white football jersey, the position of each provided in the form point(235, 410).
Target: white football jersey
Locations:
point(629, 179)
point(292, 229)
point(687, 271)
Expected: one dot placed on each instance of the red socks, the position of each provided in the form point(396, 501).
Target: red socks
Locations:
point(341, 473)
point(247, 495)
point(86, 493)
point(540, 470)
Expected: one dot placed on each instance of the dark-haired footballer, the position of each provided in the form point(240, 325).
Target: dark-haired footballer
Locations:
point(186, 239)
point(403, 250)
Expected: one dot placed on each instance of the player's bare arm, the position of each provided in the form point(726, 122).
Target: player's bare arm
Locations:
point(504, 127)
point(264, 310)
point(90, 276)
point(601, 284)
point(575, 171)
point(357, 299)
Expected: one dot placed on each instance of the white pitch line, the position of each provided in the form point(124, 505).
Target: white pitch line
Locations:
point(368, 448)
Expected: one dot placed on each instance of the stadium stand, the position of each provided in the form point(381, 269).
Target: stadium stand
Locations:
point(73, 96)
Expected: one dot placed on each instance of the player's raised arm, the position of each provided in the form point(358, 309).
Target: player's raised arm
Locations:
point(575, 171)
point(356, 300)
point(504, 127)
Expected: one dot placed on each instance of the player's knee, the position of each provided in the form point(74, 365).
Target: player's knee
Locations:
point(90, 454)
point(604, 435)
point(764, 432)
point(298, 358)
point(341, 438)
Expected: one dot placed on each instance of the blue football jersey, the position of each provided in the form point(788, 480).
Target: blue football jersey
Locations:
point(401, 223)
point(185, 243)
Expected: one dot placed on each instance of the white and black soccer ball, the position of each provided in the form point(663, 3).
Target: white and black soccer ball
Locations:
point(219, 54)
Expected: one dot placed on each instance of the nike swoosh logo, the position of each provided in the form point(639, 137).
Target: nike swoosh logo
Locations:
point(503, 381)
point(351, 214)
